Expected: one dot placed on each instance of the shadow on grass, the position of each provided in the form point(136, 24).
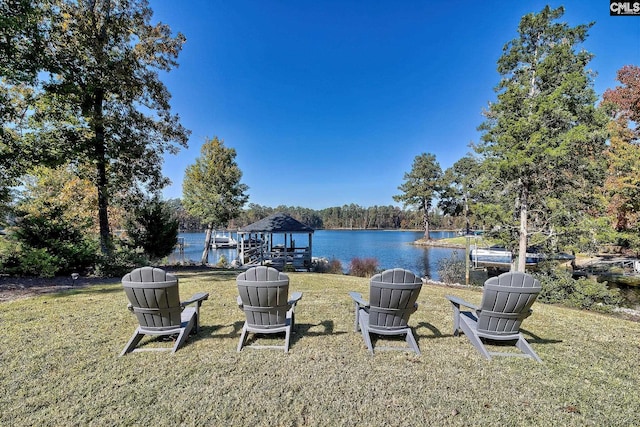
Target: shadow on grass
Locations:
point(206, 274)
point(166, 342)
point(435, 331)
point(300, 331)
point(87, 290)
point(535, 339)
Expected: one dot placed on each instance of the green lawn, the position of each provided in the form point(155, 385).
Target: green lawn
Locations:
point(59, 366)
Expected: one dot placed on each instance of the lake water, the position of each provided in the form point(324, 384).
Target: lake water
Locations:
point(391, 248)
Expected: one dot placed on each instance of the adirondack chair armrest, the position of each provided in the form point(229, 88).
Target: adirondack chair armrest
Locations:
point(460, 302)
point(295, 297)
point(197, 298)
point(357, 298)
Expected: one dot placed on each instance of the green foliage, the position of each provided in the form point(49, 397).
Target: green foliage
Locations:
point(558, 286)
point(543, 139)
point(363, 267)
point(119, 261)
point(211, 189)
point(457, 184)
point(63, 246)
point(153, 227)
point(452, 269)
point(422, 184)
point(50, 223)
point(18, 261)
point(103, 104)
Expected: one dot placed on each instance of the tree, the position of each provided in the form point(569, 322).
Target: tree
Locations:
point(212, 190)
point(623, 153)
point(103, 103)
point(421, 185)
point(153, 226)
point(543, 139)
point(53, 225)
point(21, 47)
point(458, 182)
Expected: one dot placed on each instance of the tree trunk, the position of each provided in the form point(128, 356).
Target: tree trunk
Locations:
point(207, 245)
point(522, 246)
point(425, 221)
point(101, 172)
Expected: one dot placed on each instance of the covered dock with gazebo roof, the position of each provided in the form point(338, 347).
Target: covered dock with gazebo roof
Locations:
point(275, 241)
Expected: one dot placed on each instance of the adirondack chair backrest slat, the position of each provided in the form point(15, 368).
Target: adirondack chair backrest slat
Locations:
point(392, 297)
point(264, 292)
point(154, 297)
point(506, 302)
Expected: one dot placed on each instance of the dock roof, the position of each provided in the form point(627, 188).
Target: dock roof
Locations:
point(277, 223)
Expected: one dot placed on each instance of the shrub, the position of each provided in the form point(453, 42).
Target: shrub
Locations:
point(363, 267)
point(222, 262)
point(558, 286)
point(153, 227)
point(121, 261)
point(333, 266)
point(452, 269)
point(33, 262)
point(48, 243)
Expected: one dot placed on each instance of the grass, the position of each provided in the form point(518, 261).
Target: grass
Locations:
point(59, 365)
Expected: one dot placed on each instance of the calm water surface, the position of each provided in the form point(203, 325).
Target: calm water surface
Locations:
point(391, 248)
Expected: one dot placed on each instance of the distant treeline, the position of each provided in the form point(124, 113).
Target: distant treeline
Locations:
point(348, 216)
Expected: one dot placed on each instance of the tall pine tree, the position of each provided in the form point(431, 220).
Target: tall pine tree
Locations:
point(543, 138)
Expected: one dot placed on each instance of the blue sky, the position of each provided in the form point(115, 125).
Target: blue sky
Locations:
point(328, 102)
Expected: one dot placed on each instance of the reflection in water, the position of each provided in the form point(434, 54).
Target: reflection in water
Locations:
point(426, 267)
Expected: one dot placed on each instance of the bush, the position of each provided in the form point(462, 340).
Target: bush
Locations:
point(222, 262)
point(153, 227)
point(365, 267)
point(333, 266)
point(30, 262)
point(558, 286)
point(452, 269)
point(122, 260)
point(47, 243)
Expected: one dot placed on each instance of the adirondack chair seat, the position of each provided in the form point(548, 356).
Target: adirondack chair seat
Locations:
point(264, 300)
point(392, 300)
point(506, 302)
point(154, 299)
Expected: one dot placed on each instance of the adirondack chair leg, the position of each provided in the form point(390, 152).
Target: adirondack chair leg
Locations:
point(133, 342)
point(242, 337)
point(475, 340)
point(182, 337)
point(456, 319)
point(525, 347)
point(364, 320)
point(411, 341)
point(356, 326)
point(287, 337)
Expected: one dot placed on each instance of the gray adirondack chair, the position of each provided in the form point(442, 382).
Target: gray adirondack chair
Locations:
point(392, 300)
point(263, 296)
point(154, 299)
point(506, 302)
